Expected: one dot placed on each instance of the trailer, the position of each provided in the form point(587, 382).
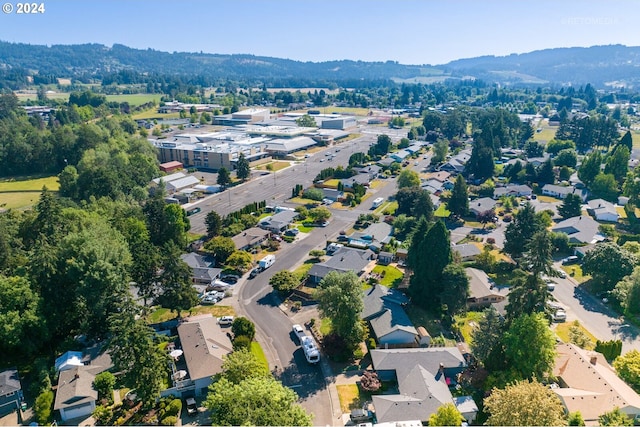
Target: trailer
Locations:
point(377, 202)
point(267, 262)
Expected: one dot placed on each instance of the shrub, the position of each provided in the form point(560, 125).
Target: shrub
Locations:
point(43, 407)
point(357, 353)
point(371, 343)
point(335, 347)
point(491, 240)
point(370, 381)
point(174, 407)
point(169, 421)
point(241, 342)
point(102, 414)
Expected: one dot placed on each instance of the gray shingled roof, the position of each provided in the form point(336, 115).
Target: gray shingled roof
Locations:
point(9, 381)
point(422, 389)
point(75, 387)
point(204, 345)
point(345, 259)
point(391, 320)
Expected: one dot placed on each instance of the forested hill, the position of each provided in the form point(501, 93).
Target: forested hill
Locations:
point(598, 65)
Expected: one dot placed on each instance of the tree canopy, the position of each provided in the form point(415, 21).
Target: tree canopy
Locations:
point(524, 403)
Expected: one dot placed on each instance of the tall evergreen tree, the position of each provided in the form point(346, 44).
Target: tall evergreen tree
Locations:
point(571, 206)
point(627, 140)
point(213, 222)
point(520, 231)
point(618, 162)
point(243, 170)
point(224, 178)
point(458, 204)
point(545, 173)
point(590, 167)
point(434, 254)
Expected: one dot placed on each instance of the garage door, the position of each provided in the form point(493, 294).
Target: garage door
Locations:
point(83, 410)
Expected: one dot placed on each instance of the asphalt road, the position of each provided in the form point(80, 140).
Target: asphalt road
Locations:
point(595, 316)
point(260, 304)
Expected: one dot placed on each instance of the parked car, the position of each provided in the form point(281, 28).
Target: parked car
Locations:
point(560, 316)
point(324, 223)
point(292, 232)
point(192, 406)
point(225, 320)
point(570, 260)
point(561, 273)
point(209, 300)
point(232, 279)
point(298, 332)
point(551, 286)
point(255, 272)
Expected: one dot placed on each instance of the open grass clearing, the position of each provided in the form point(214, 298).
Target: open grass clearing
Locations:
point(563, 332)
point(152, 113)
point(135, 99)
point(390, 275)
point(163, 314)
point(575, 271)
point(467, 323)
point(21, 192)
point(331, 183)
point(547, 133)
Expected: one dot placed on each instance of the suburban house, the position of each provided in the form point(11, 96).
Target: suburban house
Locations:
point(457, 163)
point(590, 385)
point(372, 171)
point(344, 259)
point(561, 192)
point(332, 194)
point(433, 186)
point(75, 395)
point(466, 251)
point(480, 205)
point(602, 210)
point(442, 176)
point(279, 222)
point(10, 391)
point(383, 309)
point(202, 270)
point(423, 376)
point(362, 179)
point(482, 292)
point(204, 345)
point(580, 229)
point(250, 238)
point(400, 155)
point(512, 190)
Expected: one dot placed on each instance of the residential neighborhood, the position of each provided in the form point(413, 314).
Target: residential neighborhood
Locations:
point(375, 252)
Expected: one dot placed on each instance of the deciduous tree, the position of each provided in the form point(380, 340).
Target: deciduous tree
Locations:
point(520, 231)
point(608, 263)
point(339, 297)
point(220, 247)
point(524, 403)
point(615, 417)
point(408, 178)
point(213, 222)
point(627, 367)
point(446, 415)
point(242, 365)
point(529, 346)
point(284, 281)
point(487, 339)
point(261, 401)
point(224, 177)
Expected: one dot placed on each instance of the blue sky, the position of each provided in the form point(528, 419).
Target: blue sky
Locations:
point(407, 31)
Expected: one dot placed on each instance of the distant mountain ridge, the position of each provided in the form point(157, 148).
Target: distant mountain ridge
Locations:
point(601, 66)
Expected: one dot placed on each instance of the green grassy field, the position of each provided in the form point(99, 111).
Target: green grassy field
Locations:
point(153, 114)
point(135, 99)
point(22, 192)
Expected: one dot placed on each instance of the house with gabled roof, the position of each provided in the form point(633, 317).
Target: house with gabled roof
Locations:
point(10, 391)
point(482, 291)
point(423, 376)
point(250, 238)
point(483, 204)
point(384, 310)
point(590, 385)
point(278, 222)
point(561, 191)
point(466, 251)
point(602, 210)
point(580, 229)
point(204, 345)
point(344, 259)
point(75, 395)
point(202, 270)
point(515, 190)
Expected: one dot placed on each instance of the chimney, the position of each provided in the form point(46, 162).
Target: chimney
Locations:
point(594, 359)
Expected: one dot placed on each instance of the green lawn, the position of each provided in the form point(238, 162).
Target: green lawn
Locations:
point(391, 276)
point(256, 350)
point(467, 323)
point(546, 134)
point(135, 99)
point(332, 183)
point(562, 330)
point(153, 114)
point(442, 211)
point(275, 166)
point(20, 192)
point(350, 397)
point(162, 314)
point(548, 199)
point(575, 271)
point(303, 269)
point(386, 207)
point(304, 228)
